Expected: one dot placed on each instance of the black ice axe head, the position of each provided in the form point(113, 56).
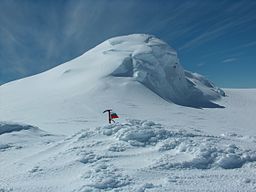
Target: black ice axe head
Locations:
point(107, 110)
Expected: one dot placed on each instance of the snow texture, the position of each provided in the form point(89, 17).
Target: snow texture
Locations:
point(137, 155)
point(203, 150)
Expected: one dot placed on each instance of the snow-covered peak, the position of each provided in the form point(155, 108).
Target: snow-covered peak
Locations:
point(139, 57)
point(133, 70)
point(155, 64)
point(150, 61)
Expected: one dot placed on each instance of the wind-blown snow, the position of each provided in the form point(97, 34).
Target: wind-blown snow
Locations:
point(12, 127)
point(54, 136)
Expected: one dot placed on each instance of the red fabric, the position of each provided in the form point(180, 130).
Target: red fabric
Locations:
point(114, 116)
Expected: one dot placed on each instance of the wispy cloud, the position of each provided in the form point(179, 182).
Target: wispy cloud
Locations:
point(253, 43)
point(201, 64)
point(229, 60)
point(222, 24)
point(236, 51)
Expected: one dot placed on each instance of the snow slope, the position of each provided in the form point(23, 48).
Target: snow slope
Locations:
point(62, 141)
point(135, 67)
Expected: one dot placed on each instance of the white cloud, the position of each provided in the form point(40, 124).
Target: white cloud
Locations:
point(229, 60)
point(201, 64)
point(222, 26)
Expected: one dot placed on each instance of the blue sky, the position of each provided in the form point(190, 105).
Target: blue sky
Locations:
point(216, 38)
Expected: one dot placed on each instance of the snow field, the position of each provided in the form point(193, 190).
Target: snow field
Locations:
point(137, 155)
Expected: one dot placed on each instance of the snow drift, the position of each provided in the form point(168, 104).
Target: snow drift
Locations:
point(17, 136)
point(7, 127)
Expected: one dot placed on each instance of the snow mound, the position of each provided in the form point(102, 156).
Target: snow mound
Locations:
point(194, 151)
point(206, 156)
point(139, 133)
point(4, 147)
point(6, 127)
point(16, 136)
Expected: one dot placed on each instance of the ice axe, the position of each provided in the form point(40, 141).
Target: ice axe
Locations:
point(111, 115)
